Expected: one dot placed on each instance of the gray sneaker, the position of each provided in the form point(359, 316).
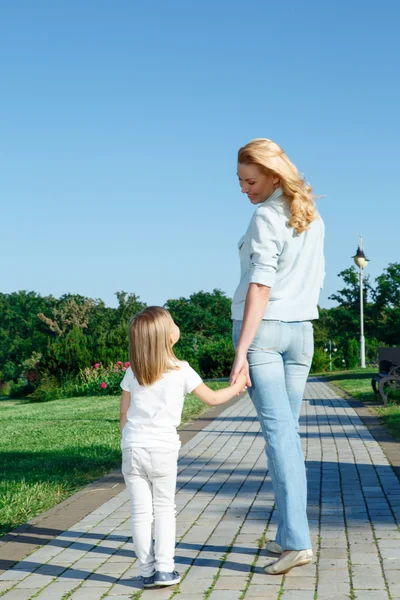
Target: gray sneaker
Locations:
point(149, 582)
point(164, 579)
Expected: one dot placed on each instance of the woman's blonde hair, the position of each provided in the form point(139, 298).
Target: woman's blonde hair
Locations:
point(272, 160)
point(150, 344)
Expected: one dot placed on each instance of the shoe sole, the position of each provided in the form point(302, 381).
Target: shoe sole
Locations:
point(150, 585)
point(299, 564)
point(166, 583)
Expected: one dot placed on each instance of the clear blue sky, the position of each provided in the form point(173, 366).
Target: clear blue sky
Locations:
point(120, 123)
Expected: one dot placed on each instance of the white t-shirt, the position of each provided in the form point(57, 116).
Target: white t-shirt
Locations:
point(156, 410)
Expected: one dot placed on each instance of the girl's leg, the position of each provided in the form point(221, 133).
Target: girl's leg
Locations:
point(275, 409)
point(163, 477)
point(140, 494)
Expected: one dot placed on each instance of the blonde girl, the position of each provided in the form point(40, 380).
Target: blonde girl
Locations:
point(282, 269)
point(154, 388)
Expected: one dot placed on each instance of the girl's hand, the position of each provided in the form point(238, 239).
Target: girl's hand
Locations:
point(240, 363)
point(241, 381)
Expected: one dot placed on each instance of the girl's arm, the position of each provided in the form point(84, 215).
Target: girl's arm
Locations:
point(125, 403)
point(214, 398)
point(256, 301)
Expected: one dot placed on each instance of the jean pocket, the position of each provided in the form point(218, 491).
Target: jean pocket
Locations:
point(268, 337)
point(308, 340)
point(164, 462)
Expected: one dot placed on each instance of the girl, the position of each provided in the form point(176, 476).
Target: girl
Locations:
point(154, 388)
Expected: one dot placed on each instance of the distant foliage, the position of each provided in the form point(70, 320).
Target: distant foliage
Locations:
point(49, 346)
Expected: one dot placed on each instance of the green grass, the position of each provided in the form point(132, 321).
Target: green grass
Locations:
point(50, 450)
point(357, 383)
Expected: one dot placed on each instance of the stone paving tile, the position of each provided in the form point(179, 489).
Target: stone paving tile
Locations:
point(225, 506)
point(371, 595)
point(56, 590)
point(20, 594)
point(225, 595)
point(369, 582)
point(297, 595)
point(88, 594)
point(266, 592)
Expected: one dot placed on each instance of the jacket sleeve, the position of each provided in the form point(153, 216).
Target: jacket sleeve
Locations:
point(266, 247)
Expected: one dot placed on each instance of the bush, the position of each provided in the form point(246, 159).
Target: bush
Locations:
point(216, 357)
point(98, 380)
point(48, 389)
point(5, 388)
point(352, 354)
point(20, 388)
point(320, 362)
point(188, 349)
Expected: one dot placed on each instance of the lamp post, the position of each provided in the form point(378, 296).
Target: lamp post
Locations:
point(329, 348)
point(361, 261)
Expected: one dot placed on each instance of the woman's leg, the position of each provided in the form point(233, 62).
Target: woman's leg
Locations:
point(140, 493)
point(278, 416)
point(297, 362)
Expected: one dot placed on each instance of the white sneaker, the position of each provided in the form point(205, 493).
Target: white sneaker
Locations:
point(295, 558)
point(273, 547)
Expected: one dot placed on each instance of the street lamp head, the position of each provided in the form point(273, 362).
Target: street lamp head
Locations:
point(360, 259)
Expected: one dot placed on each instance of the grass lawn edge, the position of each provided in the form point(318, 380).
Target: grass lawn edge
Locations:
point(17, 544)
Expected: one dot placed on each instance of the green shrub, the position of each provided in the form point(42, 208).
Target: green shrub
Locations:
point(5, 388)
point(188, 349)
point(48, 389)
point(352, 354)
point(98, 380)
point(320, 362)
point(216, 357)
point(21, 388)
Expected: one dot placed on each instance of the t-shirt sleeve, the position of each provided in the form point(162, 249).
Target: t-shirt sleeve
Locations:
point(127, 381)
point(266, 247)
point(191, 378)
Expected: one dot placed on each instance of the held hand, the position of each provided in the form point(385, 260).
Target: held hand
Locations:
point(240, 364)
point(241, 380)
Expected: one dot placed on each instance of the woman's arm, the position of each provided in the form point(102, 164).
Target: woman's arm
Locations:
point(125, 403)
point(256, 301)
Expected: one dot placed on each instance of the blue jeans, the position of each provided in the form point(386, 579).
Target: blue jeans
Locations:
point(279, 360)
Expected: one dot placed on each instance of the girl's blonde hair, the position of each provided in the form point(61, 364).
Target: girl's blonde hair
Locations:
point(150, 344)
point(272, 160)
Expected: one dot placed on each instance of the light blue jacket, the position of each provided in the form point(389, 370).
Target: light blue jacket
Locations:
point(273, 254)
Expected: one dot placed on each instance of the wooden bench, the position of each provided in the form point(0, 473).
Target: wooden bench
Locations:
point(388, 378)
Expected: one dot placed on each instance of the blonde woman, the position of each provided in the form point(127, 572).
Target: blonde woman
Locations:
point(282, 270)
point(154, 389)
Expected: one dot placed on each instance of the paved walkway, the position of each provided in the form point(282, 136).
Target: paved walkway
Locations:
point(226, 511)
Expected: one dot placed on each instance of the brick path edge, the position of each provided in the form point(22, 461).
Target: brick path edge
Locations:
point(389, 445)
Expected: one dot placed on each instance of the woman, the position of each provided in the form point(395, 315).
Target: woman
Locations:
point(282, 270)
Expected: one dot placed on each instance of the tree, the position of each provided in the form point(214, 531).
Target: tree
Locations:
point(387, 292)
point(202, 313)
point(68, 315)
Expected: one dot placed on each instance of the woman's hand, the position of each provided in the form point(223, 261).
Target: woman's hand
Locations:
point(240, 363)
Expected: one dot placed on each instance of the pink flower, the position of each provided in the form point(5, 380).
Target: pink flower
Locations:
point(96, 366)
point(103, 385)
point(127, 364)
point(119, 363)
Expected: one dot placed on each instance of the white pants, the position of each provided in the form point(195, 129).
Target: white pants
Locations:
point(150, 477)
